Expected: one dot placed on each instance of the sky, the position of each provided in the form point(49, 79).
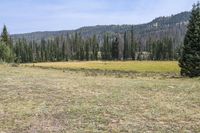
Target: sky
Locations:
point(22, 16)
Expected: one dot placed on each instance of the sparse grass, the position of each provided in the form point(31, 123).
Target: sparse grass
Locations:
point(42, 100)
point(132, 66)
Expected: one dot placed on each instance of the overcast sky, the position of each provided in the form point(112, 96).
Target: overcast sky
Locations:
point(23, 16)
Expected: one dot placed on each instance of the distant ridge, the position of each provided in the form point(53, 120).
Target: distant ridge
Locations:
point(173, 26)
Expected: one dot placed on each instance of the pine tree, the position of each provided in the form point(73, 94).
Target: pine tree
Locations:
point(133, 45)
point(115, 49)
point(125, 53)
point(106, 50)
point(5, 52)
point(87, 49)
point(33, 43)
point(43, 43)
point(82, 54)
point(5, 39)
point(76, 48)
point(190, 57)
point(5, 36)
point(95, 48)
point(30, 52)
point(37, 52)
point(64, 51)
point(47, 53)
point(52, 51)
point(153, 51)
point(103, 48)
point(169, 44)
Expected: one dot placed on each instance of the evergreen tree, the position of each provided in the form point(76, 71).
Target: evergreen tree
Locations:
point(76, 46)
point(82, 54)
point(95, 48)
point(37, 53)
point(5, 36)
point(64, 57)
point(87, 50)
point(106, 50)
point(30, 52)
point(133, 45)
point(153, 51)
point(47, 53)
point(190, 58)
point(5, 53)
point(43, 43)
point(125, 53)
point(52, 51)
point(115, 49)
point(5, 39)
point(169, 47)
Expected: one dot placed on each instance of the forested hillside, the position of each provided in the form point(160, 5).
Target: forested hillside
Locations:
point(173, 27)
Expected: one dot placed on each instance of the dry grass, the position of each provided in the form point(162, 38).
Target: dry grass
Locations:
point(133, 66)
point(42, 100)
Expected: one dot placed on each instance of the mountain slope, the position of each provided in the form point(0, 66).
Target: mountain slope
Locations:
point(173, 26)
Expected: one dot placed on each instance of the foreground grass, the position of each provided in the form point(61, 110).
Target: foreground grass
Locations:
point(42, 100)
point(132, 66)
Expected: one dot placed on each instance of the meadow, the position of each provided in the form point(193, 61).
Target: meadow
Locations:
point(33, 99)
point(127, 66)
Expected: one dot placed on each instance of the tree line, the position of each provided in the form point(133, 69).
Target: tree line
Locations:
point(75, 47)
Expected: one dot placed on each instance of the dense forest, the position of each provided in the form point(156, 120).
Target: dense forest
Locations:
point(75, 47)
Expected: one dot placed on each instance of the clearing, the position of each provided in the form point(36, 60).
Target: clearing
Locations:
point(50, 100)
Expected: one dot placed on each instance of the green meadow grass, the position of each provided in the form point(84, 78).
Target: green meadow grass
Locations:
point(132, 66)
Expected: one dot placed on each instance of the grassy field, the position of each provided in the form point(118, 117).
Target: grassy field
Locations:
point(49, 100)
point(131, 66)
